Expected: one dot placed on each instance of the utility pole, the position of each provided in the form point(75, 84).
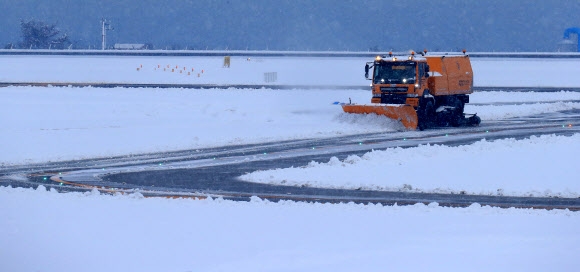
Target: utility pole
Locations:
point(105, 26)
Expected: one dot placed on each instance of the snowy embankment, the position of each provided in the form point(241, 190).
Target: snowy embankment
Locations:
point(538, 166)
point(48, 231)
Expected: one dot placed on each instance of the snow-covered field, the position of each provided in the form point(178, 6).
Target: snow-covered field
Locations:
point(316, 71)
point(47, 231)
point(74, 123)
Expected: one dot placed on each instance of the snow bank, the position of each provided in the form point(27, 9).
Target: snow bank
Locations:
point(47, 231)
point(538, 166)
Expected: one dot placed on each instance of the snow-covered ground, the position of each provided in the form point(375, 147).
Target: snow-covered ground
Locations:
point(47, 231)
point(53, 124)
point(317, 71)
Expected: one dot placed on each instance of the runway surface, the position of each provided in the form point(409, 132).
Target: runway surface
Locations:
point(214, 171)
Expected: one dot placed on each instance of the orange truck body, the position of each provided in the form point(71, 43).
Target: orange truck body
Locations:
point(456, 75)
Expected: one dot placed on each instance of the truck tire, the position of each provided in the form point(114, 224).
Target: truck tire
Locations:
point(457, 118)
point(426, 115)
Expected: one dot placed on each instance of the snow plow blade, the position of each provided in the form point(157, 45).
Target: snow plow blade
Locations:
point(404, 113)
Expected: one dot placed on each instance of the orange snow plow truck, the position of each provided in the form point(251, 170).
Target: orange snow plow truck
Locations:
point(420, 91)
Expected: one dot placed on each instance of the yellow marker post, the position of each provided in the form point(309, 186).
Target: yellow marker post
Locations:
point(227, 62)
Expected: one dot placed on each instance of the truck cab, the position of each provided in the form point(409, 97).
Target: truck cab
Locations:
point(398, 81)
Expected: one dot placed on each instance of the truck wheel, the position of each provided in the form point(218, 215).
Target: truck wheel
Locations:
point(427, 116)
point(457, 117)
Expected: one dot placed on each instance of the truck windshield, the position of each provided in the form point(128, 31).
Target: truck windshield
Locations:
point(395, 73)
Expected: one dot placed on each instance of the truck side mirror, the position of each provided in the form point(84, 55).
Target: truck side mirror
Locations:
point(426, 70)
point(367, 71)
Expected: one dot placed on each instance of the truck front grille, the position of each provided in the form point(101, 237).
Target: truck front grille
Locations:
point(387, 98)
point(393, 89)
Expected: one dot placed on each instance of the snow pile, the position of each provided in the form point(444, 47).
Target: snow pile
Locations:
point(47, 231)
point(538, 166)
point(369, 121)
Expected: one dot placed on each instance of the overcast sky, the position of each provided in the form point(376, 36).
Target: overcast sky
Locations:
point(354, 25)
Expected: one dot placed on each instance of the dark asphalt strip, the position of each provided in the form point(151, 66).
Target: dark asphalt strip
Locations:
point(223, 180)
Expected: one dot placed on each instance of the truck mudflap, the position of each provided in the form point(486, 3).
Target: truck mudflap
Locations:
point(472, 120)
point(404, 113)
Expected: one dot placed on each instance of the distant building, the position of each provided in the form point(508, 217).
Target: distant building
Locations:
point(130, 46)
point(567, 46)
point(570, 42)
